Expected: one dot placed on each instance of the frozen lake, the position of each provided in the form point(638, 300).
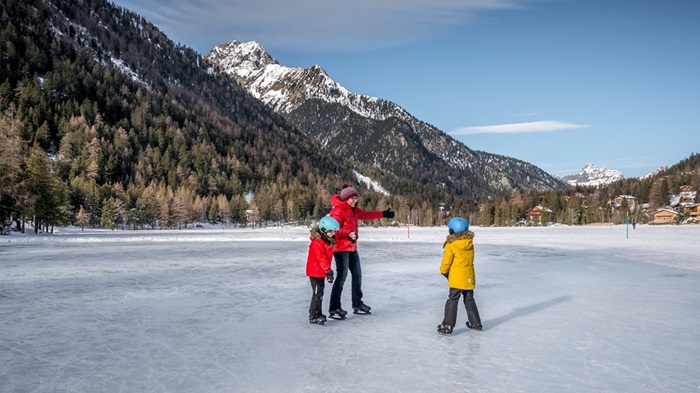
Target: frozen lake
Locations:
point(565, 309)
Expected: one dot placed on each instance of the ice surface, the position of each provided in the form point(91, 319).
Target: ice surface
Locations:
point(565, 309)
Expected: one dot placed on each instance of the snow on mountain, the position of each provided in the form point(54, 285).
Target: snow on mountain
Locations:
point(371, 183)
point(284, 88)
point(656, 172)
point(372, 130)
point(591, 175)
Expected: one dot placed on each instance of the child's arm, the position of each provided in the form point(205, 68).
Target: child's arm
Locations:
point(447, 259)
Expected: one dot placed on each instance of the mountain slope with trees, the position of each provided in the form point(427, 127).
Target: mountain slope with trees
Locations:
point(372, 130)
point(104, 121)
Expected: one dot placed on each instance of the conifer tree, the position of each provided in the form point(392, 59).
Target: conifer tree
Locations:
point(48, 193)
point(82, 219)
point(107, 219)
point(14, 196)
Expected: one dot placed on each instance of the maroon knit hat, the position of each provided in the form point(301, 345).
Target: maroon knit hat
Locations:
point(347, 192)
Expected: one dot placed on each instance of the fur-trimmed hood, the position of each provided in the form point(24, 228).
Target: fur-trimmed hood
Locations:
point(316, 234)
point(458, 236)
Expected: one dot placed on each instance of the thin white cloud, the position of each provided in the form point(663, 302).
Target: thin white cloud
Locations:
point(519, 128)
point(311, 25)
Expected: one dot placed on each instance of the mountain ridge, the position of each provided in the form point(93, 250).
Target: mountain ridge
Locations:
point(373, 130)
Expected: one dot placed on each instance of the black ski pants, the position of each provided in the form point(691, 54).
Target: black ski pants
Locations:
point(317, 286)
point(469, 304)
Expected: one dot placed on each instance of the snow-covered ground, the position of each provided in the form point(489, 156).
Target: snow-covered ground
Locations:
point(565, 309)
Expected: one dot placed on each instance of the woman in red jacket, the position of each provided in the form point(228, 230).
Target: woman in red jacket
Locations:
point(318, 265)
point(346, 212)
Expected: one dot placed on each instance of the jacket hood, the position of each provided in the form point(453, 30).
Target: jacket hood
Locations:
point(469, 235)
point(317, 235)
point(335, 201)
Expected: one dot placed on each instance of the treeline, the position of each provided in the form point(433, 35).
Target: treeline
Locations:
point(162, 143)
point(590, 205)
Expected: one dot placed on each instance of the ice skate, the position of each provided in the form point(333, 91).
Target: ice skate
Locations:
point(475, 327)
point(362, 309)
point(337, 313)
point(318, 320)
point(445, 330)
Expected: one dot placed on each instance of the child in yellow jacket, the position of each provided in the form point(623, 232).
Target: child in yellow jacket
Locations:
point(458, 266)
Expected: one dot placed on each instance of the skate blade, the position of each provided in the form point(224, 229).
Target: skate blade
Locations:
point(337, 317)
point(361, 312)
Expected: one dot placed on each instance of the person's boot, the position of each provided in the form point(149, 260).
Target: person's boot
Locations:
point(475, 327)
point(318, 320)
point(362, 309)
point(445, 330)
point(337, 313)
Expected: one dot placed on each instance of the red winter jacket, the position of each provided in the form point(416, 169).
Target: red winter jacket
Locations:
point(348, 218)
point(320, 255)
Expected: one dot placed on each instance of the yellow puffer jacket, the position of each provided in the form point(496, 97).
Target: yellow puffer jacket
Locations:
point(458, 260)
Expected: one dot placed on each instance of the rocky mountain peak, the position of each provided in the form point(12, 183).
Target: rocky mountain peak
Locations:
point(243, 58)
point(591, 175)
point(285, 88)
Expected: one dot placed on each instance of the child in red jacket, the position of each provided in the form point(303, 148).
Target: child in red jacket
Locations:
point(318, 264)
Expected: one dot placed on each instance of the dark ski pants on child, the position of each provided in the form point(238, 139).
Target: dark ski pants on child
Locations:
point(317, 286)
point(469, 304)
point(344, 261)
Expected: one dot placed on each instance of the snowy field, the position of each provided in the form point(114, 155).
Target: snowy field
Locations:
point(581, 309)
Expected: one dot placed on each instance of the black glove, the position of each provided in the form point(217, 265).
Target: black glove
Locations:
point(447, 275)
point(388, 213)
point(329, 276)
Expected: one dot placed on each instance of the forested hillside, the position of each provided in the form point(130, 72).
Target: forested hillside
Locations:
point(590, 205)
point(106, 122)
point(374, 131)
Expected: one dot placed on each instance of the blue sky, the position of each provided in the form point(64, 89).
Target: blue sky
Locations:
point(557, 83)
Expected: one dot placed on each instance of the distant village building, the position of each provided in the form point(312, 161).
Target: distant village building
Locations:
point(674, 201)
point(687, 196)
point(535, 214)
point(694, 214)
point(664, 216)
point(685, 199)
point(631, 201)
